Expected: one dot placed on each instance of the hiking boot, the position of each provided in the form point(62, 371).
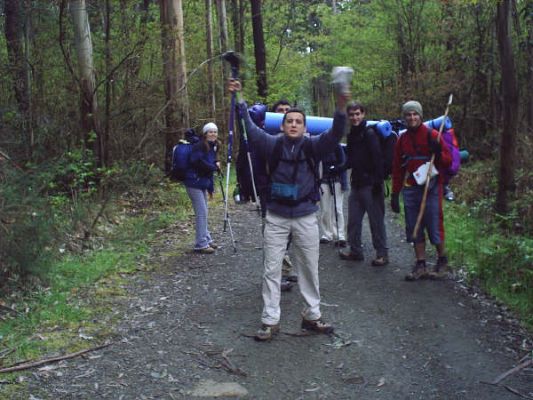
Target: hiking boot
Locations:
point(380, 261)
point(324, 241)
point(213, 245)
point(292, 278)
point(448, 194)
point(340, 243)
point(418, 272)
point(351, 256)
point(317, 325)
point(206, 250)
point(266, 333)
point(286, 285)
point(441, 269)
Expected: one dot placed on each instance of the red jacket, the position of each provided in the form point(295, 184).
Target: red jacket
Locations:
point(411, 151)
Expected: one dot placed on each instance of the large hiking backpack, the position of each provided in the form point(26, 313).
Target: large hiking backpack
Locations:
point(181, 156)
point(387, 140)
point(451, 140)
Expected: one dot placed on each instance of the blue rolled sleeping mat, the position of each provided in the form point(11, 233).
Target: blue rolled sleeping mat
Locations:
point(435, 124)
point(317, 125)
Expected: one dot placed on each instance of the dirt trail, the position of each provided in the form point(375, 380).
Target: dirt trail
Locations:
point(186, 330)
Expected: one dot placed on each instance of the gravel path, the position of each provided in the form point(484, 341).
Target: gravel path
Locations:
point(185, 333)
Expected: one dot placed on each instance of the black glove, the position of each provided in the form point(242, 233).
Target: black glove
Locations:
point(377, 189)
point(395, 202)
point(435, 147)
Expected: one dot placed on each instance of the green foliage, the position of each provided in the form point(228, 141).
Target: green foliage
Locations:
point(80, 287)
point(503, 265)
point(495, 250)
point(49, 205)
point(27, 225)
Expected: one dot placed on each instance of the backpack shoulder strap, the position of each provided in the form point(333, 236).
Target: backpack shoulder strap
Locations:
point(309, 154)
point(273, 163)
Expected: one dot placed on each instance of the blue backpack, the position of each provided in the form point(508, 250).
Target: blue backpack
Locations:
point(181, 154)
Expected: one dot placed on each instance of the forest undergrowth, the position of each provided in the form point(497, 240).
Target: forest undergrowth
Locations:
point(494, 252)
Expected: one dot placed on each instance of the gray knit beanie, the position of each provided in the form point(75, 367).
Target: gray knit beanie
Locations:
point(412, 106)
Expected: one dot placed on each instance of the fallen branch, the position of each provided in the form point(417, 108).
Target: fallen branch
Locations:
point(6, 352)
point(228, 365)
point(9, 309)
point(33, 364)
point(512, 371)
point(514, 391)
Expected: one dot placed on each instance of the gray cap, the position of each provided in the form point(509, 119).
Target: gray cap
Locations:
point(412, 106)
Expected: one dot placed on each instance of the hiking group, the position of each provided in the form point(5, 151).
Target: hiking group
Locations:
point(293, 171)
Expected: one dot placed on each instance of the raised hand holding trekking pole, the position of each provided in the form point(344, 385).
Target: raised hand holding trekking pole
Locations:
point(429, 171)
point(234, 60)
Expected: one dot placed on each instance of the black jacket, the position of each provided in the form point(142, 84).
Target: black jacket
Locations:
point(364, 156)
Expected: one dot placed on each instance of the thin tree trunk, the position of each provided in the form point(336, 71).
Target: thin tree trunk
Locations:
point(225, 70)
point(173, 49)
point(509, 107)
point(89, 104)
point(209, 46)
point(529, 65)
point(238, 34)
point(108, 88)
point(19, 67)
point(28, 72)
point(242, 5)
point(259, 49)
point(223, 24)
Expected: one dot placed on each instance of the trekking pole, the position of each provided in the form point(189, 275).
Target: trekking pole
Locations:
point(226, 218)
point(428, 175)
point(333, 192)
point(248, 154)
point(233, 59)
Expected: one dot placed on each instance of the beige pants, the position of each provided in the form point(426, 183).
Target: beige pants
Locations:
point(304, 249)
point(328, 224)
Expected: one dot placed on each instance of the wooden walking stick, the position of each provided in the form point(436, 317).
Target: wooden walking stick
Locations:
point(428, 175)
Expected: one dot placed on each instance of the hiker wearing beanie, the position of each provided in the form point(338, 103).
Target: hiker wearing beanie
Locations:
point(413, 149)
point(199, 182)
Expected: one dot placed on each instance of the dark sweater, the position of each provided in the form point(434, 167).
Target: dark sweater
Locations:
point(364, 156)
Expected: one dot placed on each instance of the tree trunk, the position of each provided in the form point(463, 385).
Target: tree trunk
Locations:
point(108, 85)
point(510, 108)
point(529, 65)
point(238, 27)
point(223, 24)
point(223, 37)
point(89, 105)
point(259, 49)
point(209, 45)
point(19, 67)
point(242, 35)
point(173, 49)
point(225, 70)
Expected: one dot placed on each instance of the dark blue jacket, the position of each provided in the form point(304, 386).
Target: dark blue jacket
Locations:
point(202, 165)
point(264, 143)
